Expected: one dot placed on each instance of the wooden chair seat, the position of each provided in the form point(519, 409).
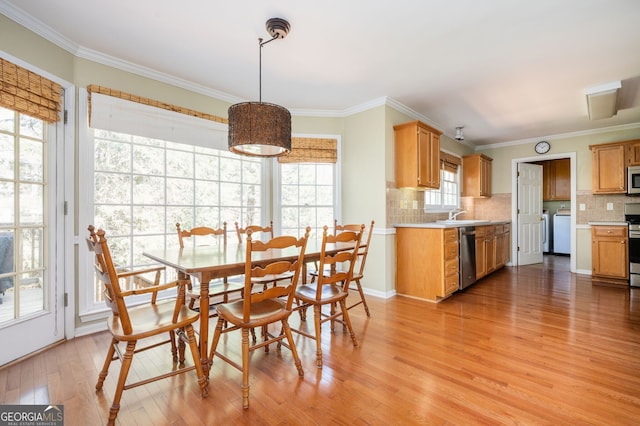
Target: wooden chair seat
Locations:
point(148, 320)
point(328, 294)
point(263, 312)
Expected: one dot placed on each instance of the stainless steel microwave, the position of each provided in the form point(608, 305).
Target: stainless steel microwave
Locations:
point(633, 180)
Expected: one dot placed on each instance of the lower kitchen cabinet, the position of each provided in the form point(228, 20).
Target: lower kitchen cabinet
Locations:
point(610, 253)
point(493, 248)
point(427, 262)
point(485, 250)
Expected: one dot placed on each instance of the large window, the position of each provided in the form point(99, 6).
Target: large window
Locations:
point(144, 186)
point(307, 197)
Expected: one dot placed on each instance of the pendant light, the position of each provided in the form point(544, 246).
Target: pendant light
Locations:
point(261, 129)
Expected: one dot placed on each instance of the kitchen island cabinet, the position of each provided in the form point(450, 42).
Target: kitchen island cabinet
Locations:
point(427, 262)
point(610, 253)
point(417, 155)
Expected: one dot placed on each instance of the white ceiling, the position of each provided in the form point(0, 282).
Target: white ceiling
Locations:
point(505, 70)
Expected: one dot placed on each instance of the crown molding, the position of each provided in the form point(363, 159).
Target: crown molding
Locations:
point(589, 132)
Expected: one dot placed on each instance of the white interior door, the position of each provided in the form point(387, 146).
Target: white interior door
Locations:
point(529, 214)
point(31, 235)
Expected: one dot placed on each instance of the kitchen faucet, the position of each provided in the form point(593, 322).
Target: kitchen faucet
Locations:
point(454, 213)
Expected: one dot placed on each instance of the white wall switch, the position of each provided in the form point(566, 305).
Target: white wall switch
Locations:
point(582, 207)
point(403, 204)
point(609, 206)
point(415, 204)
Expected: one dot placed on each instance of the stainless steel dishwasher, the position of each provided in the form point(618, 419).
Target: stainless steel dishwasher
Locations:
point(467, 240)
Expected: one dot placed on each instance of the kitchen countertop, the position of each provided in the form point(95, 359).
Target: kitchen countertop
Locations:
point(451, 224)
point(602, 223)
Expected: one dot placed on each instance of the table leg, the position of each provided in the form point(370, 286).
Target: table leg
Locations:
point(204, 325)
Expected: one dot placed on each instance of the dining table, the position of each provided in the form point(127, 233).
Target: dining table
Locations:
point(210, 262)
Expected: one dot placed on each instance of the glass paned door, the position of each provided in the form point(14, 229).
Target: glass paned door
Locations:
point(26, 289)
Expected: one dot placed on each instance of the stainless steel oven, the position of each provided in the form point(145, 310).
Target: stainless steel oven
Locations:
point(632, 216)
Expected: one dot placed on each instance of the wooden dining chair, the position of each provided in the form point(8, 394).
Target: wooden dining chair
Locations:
point(331, 287)
point(128, 325)
point(358, 272)
point(221, 288)
point(261, 309)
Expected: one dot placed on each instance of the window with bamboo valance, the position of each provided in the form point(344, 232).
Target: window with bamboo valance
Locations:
point(449, 162)
point(29, 93)
point(311, 150)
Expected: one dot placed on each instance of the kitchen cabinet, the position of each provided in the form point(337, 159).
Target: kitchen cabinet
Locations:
point(608, 168)
point(503, 244)
point(417, 155)
point(556, 180)
point(427, 262)
point(476, 175)
point(492, 248)
point(610, 253)
point(633, 152)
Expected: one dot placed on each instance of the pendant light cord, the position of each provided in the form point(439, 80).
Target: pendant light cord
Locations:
point(261, 43)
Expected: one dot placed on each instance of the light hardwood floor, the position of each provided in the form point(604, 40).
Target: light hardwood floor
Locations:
point(528, 345)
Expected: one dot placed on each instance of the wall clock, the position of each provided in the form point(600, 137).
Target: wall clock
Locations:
point(543, 147)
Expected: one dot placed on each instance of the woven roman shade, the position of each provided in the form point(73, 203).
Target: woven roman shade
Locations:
point(311, 150)
point(29, 93)
point(93, 88)
point(449, 162)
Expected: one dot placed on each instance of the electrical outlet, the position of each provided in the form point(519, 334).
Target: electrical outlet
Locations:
point(562, 206)
point(583, 207)
point(403, 204)
point(609, 206)
point(415, 204)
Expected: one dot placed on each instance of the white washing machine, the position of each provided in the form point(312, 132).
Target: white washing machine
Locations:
point(562, 233)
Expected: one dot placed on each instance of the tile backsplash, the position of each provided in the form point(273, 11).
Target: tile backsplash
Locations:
point(401, 201)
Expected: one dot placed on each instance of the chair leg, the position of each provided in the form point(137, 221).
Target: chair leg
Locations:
point(347, 320)
point(181, 348)
point(107, 363)
point(174, 348)
point(364, 301)
point(292, 345)
point(216, 339)
point(245, 368)
point(122, 379)
point(203, 381)
point(317, 313)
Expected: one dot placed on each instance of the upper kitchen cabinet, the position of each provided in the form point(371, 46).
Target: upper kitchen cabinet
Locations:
point(476, 175)
point(556, 180)
point(608, 168)
point(417, 147)
point(633, 153)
